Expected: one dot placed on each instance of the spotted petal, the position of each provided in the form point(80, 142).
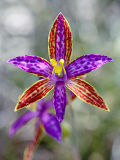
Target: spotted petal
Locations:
point(60, 40)
point(59, 100)
point(86, 92)
point(71, 95)
point(22, 121)
point(29, 151)
point(85, 64)
point(33, 64)
point(38, 91)
point(52, 126)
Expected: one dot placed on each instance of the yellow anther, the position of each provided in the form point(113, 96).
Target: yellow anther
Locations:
point(57, 68)
point(61, 62)
point(53, 62)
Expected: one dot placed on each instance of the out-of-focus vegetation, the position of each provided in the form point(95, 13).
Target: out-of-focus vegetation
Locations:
point(24, 28)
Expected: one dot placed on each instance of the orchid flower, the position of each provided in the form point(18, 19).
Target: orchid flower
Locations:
point(44, 120)
point(59, 73)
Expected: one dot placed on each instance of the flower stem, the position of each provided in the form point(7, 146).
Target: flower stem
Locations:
point(74, 143)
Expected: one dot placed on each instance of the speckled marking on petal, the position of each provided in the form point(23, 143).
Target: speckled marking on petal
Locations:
point(59, 100)
point(60, 39)
point(86, 64)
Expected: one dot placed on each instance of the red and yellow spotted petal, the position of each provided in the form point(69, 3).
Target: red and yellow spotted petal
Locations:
point(29, 151)
point(86, 92)
point(68, 41)
point(37, 91)
point(52, 40)
point(60, 40)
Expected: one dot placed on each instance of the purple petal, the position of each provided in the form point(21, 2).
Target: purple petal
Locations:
point(59, 100)
point(21, 122)
point(86, 64)
point(52, 126)
point(33, 64)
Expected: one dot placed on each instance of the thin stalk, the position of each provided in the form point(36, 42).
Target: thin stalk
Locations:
point(74, 143)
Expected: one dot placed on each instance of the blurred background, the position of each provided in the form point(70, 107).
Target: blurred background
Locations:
point(24, 28)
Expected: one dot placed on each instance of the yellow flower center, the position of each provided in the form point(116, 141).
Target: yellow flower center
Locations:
point(57, 68)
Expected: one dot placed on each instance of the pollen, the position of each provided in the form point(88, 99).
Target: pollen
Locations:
point(57, 68)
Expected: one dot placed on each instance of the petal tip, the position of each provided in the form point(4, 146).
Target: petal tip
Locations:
point(60, 14)
point(59, 141)
point(110, 59)
point(105, 108)
point(16, 108)
point(60, 117)
point(9, 61)
point(108, 109)
point(11, 132)
point(58, 138)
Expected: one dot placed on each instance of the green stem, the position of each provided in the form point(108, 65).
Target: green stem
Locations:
point(74, 143)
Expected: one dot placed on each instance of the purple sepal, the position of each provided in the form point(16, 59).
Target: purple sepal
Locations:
point(32, 64)
point(21, 122)
point(43, 105)
point(85, 64)
point(60, 39)
point(52, 126)
point(59, 100)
